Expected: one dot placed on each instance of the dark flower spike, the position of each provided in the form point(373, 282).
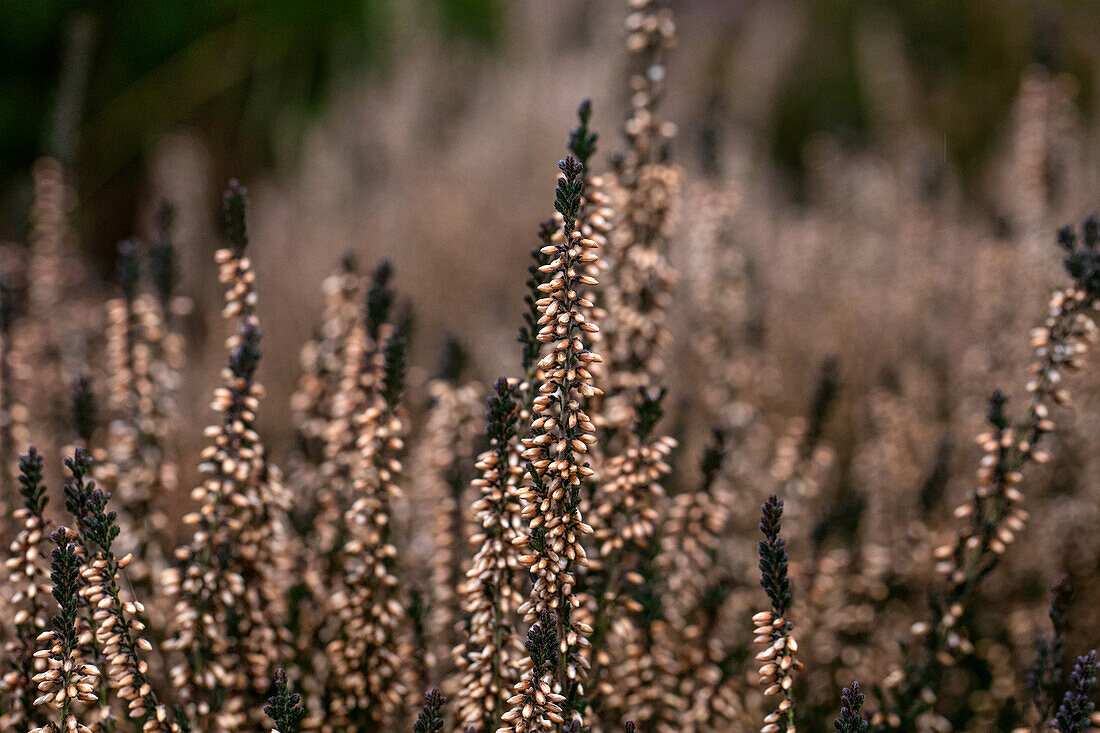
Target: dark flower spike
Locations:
point(1045, 674)
point(430, 719)
point(542, 644)
point(850, 720)
point(78, 490)
point(773, 556)
point(453, 360)
point(713, 456)
point(31, 487)
point(284, 707)
point(129, 268)
point(393, 380)
point(650, 412)
point(1076, 709)
point(996, 413)
point(7, 305)
point(528, 332)
point(66, 680)
point(84, 410)
point(1061, 594)
point(163, 261)
point(246, 356)
point(503, 413)
point(582, 141)
point(567, 200)
point(828, 386)
point(234, 212)
point(65, 575)
point(349, 263)
point(380, 297)
point(1082, 260)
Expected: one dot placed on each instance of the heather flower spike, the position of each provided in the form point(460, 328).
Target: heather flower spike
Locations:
point(1075, 713)
point(284, 707)
point(84, 409)
point(67, 682)
point(850, 720)
point(234, 212)
point(773, 630)
point(430, 718)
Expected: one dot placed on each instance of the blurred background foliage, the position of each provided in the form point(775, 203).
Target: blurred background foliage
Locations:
point(95, 83)
point(968, 55)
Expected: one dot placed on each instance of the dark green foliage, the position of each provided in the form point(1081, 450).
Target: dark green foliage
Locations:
point(1082, 260)
point(430, 719)
point(234, 215)
point(129, 268)
point(163, 261)
point(649, 412)
point(65, 575)
point(379, 297)
point(246, 356)
point(582, 141)
point(773, 556)
point(85, 412)
point(1073, 714)
point(285, 707)
point(31, 487)
point(850, 720)
point(567, 198)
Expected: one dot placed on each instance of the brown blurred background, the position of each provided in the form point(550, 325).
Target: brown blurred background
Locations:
point(428, 131)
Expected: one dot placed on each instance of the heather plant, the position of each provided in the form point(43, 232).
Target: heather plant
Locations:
point(538, 551)
point(773, 629)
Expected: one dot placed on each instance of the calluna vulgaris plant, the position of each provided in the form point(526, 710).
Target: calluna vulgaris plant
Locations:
point(559, 566)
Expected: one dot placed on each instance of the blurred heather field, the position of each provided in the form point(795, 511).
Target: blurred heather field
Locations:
point(839, 237)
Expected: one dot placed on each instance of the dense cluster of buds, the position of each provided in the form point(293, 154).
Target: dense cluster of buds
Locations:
point(323, 362)
point(370, 659)
point(1075, 714)
point(30, 589)
point(489, 659)
point(66, 683)
point(536, 705)
point(561, 435)
point(850, 720)
point(144, 355)
point(993, 515)
point(442, 458)
point(284, 707)
point(626, 520)
point(117, 625)
point(638, 288)
point(228, 588)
